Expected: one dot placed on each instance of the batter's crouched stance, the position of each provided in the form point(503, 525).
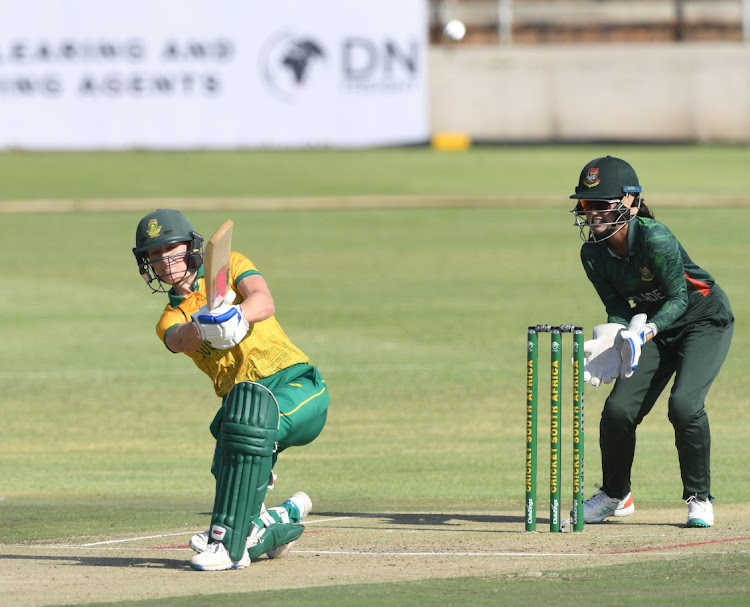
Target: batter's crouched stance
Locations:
point(666, 317)
point(272, 398)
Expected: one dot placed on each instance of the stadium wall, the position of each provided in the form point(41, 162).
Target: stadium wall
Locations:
point(664, 93)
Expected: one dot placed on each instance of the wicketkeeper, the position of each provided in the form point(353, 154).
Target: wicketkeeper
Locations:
point(272, 398)
point(666, 317)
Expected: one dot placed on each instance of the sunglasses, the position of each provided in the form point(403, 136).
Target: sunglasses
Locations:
point(590, 206)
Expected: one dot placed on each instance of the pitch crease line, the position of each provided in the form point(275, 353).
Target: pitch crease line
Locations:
point(156, 537)
point(678, 546)
point(357, 553)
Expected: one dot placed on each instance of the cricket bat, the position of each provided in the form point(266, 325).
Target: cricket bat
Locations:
point(216, 264)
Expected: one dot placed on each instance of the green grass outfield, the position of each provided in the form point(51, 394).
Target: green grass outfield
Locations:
point(415, 313)
point(485, 171)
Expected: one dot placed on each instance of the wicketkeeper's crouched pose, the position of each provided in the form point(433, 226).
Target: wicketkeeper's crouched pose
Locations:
point(272, 398)
point(666, 317)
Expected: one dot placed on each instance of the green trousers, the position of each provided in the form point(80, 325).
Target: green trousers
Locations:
point(303, 404)
point(303, 408)
point(693, 354)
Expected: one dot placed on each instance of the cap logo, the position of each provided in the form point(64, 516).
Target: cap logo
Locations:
point(154, 229)
point(592, 178)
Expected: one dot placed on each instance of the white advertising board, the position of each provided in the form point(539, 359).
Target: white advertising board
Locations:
point(218, 74)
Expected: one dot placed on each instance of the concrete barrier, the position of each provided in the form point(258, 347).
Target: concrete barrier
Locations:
point(640, 93)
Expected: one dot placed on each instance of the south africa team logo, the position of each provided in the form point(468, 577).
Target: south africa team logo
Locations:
point(647, 274)
point(154, 229)
point(592, 178)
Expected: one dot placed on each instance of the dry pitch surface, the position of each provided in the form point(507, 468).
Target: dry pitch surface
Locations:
point(339, 548)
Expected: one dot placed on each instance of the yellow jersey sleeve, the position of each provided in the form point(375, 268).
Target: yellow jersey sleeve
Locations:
point(265, 350)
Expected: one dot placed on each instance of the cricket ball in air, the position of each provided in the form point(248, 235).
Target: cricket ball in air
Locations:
point(454, 30)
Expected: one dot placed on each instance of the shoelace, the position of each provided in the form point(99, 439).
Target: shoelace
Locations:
point(598, 496)
point(695, 502)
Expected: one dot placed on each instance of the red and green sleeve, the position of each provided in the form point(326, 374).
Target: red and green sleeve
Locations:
point(657, 277)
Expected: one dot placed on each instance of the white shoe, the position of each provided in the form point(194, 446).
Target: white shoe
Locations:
point(199, 542)
point(600, 506)
point(700, 513)
point(216, 558)
point(626, 507)
point(303, 504)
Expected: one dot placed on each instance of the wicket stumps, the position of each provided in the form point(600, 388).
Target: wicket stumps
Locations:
point(532, 381)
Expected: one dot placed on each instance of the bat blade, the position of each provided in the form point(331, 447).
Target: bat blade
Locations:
point(216, 264)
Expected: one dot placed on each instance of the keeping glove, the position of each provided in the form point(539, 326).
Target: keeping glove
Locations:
point(631, 342)
point(602, 360)
point(224, 326)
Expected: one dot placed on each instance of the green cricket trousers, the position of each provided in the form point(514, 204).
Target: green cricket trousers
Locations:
point(303, 401)
point(693, 353)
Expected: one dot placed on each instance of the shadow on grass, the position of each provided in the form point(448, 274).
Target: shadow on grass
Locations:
point(431, 520)
point(449, 521)
point(99, 561)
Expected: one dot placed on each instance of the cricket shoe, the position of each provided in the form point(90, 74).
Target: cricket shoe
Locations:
point(199, 542)
point(600, 506)
point(700, 512)
point(216, 558)
point(303, 504)
point(626, 507)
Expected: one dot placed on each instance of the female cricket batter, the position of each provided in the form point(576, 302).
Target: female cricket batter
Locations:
point(666, 317)
point(272, 398)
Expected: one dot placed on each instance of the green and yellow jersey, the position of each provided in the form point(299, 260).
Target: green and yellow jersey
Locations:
point(265, 350)
point(656, 277)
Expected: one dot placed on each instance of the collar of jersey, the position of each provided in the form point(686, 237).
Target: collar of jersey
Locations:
point(633, 228)
point(174, 299)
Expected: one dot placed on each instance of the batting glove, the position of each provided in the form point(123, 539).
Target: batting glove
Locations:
point(224, 326)
point(602, 362)
point(631, 342)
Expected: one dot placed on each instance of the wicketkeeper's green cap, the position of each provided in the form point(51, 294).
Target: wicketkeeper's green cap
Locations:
point(160, 227)
point(607, 178)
